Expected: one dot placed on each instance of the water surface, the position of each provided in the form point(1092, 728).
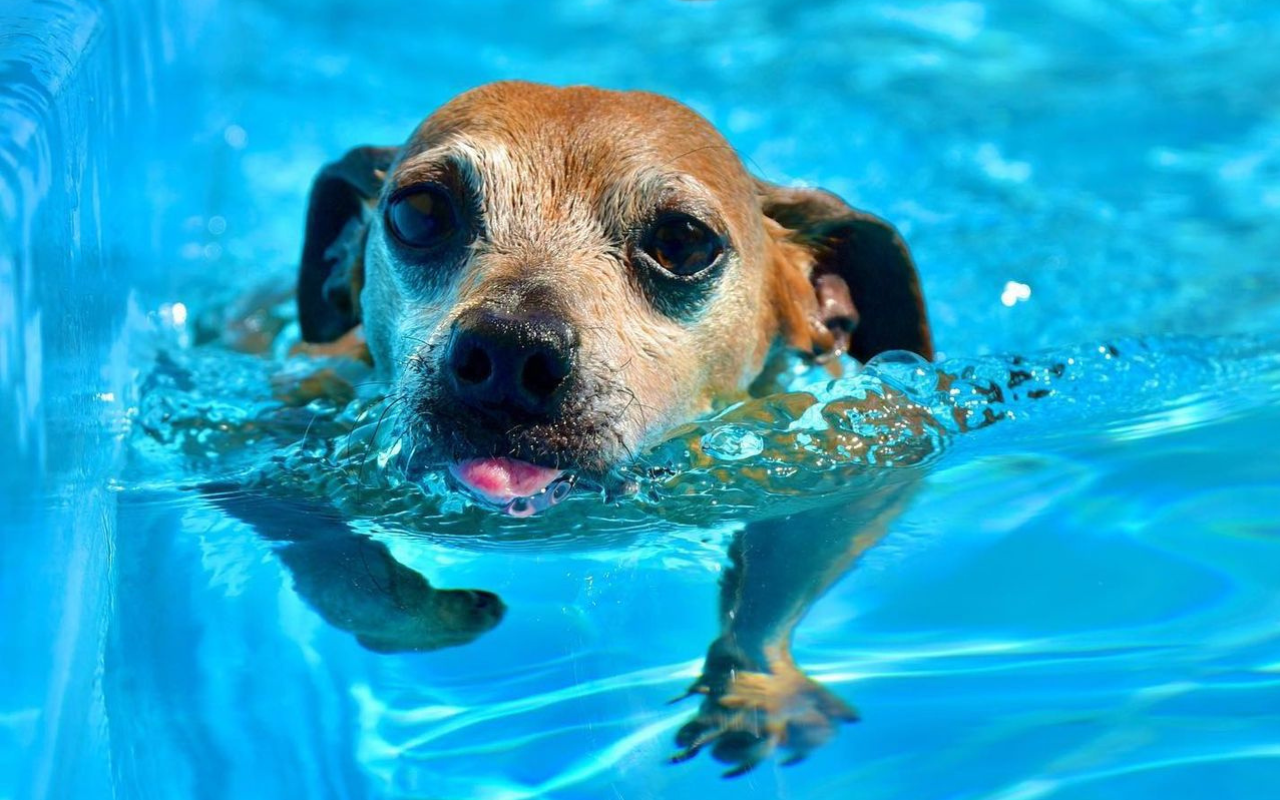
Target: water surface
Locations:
point(1079, 602)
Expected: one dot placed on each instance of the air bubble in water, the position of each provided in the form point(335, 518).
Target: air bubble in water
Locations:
point(732, 443)
point(903, 370)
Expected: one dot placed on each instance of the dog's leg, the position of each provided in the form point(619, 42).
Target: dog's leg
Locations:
point(756, 698)
point(355, 583)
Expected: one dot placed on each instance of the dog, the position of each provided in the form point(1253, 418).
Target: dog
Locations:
point(550, 280)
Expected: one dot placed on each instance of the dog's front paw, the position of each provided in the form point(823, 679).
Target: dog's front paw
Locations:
point(357, 585)
point(430, 621)
point(748, 714)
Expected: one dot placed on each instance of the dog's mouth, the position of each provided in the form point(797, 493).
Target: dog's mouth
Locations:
point(518, 488)
point(518, 468)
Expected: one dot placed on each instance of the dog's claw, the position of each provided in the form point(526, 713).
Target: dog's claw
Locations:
point(750, 714)
point(684, 755)
point(741, 769)
point(696, 688)
point(693, 737)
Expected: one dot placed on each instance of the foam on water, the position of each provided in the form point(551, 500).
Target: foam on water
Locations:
point(209, 414)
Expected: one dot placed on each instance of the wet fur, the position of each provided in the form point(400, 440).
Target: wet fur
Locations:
point(562, 182)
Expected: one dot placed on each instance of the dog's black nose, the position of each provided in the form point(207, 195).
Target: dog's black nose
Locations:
point(512, 364)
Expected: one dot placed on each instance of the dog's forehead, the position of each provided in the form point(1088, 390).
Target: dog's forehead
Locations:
point(586, 137)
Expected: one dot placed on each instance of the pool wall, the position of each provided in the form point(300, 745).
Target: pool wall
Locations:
point(79, 113)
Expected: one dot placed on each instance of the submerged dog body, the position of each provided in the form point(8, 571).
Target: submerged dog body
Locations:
point(551, 279)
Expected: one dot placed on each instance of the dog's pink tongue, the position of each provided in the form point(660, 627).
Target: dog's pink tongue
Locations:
point(500, 480)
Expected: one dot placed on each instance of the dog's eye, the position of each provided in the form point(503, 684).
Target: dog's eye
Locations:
point(422, 216)
point(682, 245)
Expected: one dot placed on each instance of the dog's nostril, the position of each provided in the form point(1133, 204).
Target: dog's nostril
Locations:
point(509, 366)
point(543, 373)
point(475, 366)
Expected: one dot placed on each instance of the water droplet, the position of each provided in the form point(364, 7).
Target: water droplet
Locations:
point(235, 137)
point(561, 490)
point(521, 507)
point(732, 443)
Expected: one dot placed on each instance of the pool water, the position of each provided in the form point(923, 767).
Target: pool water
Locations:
point(1079, 600)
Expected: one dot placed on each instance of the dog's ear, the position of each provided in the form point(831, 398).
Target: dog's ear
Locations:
point(846, 279)
point(332, 270)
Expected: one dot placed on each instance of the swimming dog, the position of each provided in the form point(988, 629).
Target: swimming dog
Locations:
point(550, 279)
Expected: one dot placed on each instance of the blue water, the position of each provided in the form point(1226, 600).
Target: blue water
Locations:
point(1080, 601)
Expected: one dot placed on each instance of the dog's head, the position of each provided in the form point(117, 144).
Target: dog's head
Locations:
point(552, 278)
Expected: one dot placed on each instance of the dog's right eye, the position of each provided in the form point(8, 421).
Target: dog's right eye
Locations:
point(422, 216)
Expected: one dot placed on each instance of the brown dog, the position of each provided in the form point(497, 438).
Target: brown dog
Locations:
point(556, 277)
point(551, 279)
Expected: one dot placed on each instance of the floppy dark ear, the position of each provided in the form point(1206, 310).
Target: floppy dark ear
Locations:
point(332, 270)
point(866, 294)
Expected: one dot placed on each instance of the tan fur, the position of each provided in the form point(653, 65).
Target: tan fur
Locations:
point(791, 294)
point(561, 184)
point(564, 176)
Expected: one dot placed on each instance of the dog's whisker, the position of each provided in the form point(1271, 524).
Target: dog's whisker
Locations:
point(372, 445)
point(369, 572)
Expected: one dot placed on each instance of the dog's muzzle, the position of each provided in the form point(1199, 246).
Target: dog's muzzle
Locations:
point(501, 369)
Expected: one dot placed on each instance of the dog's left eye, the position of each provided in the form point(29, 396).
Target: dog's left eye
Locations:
point(682, 245)
point(422, 216)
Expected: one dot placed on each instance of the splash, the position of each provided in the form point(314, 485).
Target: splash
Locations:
point(323, 430)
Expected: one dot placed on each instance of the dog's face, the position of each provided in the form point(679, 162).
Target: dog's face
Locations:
point(551, 278)
point(559, 275)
